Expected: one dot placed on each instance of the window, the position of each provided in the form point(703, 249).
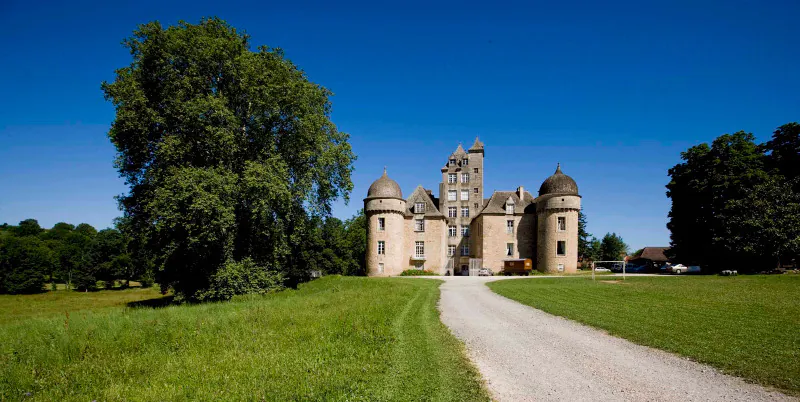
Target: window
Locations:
point(510, 208)
point(452, 162)
point(465, 212)
point(419, 225)
point(419, 249)
point(381, 224)
point(475, 190)
point(560, 267)
point(475, 170)
point(465, 162)
point(562, 223)
point(419, 208)
point(451, 178)
point(451, 195)
point(509, 226)
point(451, 250)
point(465, 177)
point(464, 230)
point(475, 205)
point(561, 247)
point(509, 249)
point(419, 265)
point(381, 247)
point(451, 231)
point(465, 250)
point(452, 212)
point(464, 194)
point(380, 267)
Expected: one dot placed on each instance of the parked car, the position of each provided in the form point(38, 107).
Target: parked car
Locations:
point(677, 269)
point(485, 272)
point(635, 269)
point(601, 269)
point(694, 269)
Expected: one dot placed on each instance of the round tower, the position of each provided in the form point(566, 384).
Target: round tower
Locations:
point(557, 210)
point(384, 208)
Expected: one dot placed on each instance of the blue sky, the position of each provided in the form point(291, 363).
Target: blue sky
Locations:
point(612, 91)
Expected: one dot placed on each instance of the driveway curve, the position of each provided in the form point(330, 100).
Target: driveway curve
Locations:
point(525, 354)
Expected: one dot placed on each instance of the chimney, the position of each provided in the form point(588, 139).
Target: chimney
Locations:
point(521, 192)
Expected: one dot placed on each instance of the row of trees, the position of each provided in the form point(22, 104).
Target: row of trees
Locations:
point(736, 203)
point(610, 248)
point(79, 256)
point(83, 258)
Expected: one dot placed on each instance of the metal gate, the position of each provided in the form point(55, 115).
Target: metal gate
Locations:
point(475, 266)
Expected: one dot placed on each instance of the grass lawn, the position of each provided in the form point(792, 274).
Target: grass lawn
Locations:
point(16, 308)
point(747, 326)
point(336, 338)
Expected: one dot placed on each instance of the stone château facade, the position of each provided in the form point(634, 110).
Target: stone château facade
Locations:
point(461, 231)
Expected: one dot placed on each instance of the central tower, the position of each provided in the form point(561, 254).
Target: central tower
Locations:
point(461, 198)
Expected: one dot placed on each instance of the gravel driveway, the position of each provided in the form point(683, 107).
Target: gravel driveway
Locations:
point(525, 354)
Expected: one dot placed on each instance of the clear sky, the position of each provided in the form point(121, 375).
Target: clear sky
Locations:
point(613, 91)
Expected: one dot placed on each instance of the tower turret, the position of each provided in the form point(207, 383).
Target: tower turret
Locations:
point(384, 208)
point(557, 210)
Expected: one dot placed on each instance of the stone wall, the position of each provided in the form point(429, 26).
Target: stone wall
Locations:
point(434, 238)
point(495, 237)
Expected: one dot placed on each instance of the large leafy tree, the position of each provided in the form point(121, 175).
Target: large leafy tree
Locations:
point(612, 247)
point(701, 188)
point(229, 153)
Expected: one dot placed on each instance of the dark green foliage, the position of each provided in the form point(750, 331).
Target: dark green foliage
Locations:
point(24, 261)
point(239, 278)
point(78, 256)
point(584, 241)
point(229, 154)
point(733, 202)
point(418, 272)
point(784, 152)
point(28, 227)
point(612, 248)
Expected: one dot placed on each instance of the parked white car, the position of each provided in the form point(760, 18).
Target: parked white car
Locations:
point(601, 269)
point(485, 272)
point(677, 269)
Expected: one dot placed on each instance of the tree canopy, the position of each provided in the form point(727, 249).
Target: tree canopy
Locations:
point(229, 154)
point(735, 202)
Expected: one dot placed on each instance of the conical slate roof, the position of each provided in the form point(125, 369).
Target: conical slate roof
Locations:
point(559, 183)
point(477, 146)
point(384, 187)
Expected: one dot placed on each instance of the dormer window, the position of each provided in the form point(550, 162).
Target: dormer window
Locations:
point(419, 208)
point(465, 162)
point(510, 207)
point(452, 162)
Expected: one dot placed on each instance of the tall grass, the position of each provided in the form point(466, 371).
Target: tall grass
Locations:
point(332, 339)
point(747, 325)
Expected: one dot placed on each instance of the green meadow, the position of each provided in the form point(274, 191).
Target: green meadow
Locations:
point(336, 338)
point(747, 326)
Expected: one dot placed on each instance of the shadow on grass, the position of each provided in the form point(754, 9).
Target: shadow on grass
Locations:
point(160, 302)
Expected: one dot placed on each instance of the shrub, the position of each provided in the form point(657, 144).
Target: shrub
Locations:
point(418, 272)
point(238, 278)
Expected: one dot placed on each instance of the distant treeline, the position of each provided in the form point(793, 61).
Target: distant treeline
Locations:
point(33, 259)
